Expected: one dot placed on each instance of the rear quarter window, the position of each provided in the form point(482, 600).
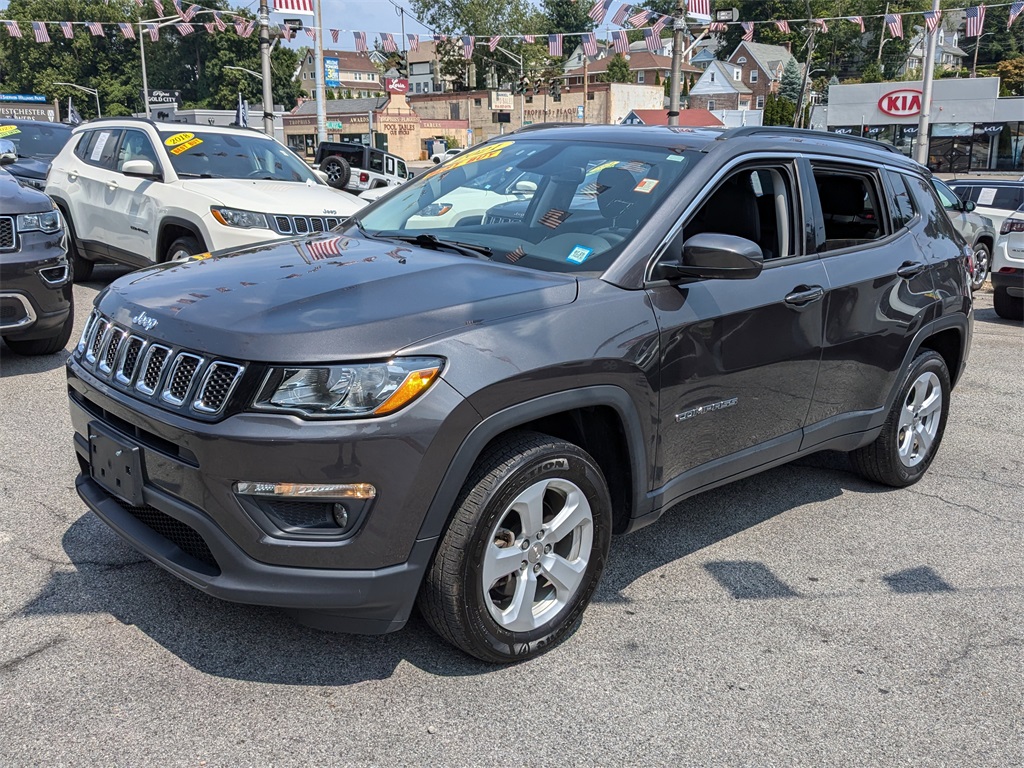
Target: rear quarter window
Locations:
point(927, 202)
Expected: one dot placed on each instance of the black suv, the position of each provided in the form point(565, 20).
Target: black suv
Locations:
point(36, 300)
point(390, 413)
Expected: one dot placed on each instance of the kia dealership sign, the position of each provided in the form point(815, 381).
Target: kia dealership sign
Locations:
point(905, 102)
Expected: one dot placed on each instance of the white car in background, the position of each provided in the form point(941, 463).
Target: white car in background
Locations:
point(469, 203)
point(448, 154)
point(1008, 267)
point(140, 193)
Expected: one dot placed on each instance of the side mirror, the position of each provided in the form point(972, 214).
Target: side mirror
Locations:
point(968, 206)
point(144, 168)
point(524, 187)
point(8, 152)
point(714, 256)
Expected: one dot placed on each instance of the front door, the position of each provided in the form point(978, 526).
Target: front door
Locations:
point(132, 202)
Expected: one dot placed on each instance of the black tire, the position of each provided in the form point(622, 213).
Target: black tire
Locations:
point(81, 268)
point(436, 160)
point(338, 171)
point(982, 264)
point(453, 598)
point(881, 460)
point(1008, 307)
point(50, 344)
point(185, 243)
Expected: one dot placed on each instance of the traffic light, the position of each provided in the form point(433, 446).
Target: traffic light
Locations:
point(555, 89)
point(403, 68)
point(522, 85)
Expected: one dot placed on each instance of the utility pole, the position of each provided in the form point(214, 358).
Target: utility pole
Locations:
point(321, 87)
point(881, 35)
point(585, 62)
point(678, 27)
point(268, 90)
point(798, 117)
point(921, 150)
point(145, 79)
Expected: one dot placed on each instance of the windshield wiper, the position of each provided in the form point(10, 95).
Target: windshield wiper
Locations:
point(199, 175)
point(434, 243)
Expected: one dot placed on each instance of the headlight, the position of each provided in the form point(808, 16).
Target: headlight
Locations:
point(231, 217)
point(348, 390)
point(39, 222)
point(435, 209)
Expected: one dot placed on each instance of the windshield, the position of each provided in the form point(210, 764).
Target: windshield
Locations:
point(550, 205)
point(233, 156)
point(41, 142)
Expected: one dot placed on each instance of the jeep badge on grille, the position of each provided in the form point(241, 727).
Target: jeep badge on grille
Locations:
point(144, 321)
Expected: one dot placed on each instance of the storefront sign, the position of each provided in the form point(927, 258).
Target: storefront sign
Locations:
point(332, 75)
point(396, 85)
point(46, 113)
point(502, 101)
point(34, 98)
point(157, 98)
point(398, 129)
point(905, 102)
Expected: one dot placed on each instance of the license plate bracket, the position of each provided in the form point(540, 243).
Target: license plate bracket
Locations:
point(116, 465)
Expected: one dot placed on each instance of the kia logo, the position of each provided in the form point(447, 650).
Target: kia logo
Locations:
point(905, 102)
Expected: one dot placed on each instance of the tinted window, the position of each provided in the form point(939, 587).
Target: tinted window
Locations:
point(41, 141)
point(903, 208)
point(102, 149)
point(1005, 198)
point(949, 200)
point(850, 206)
point(82, 147)
point(240, 155)
point(927, 202)
point(136, 146)
point(377, 162)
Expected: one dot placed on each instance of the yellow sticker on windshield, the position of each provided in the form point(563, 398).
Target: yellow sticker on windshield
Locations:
point(178, 138)
point(486, 152)
point(8, 130)
point(602, 166)
point(193, 142)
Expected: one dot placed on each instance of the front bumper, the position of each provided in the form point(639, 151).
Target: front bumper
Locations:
point(35, 287)
point(192, 523)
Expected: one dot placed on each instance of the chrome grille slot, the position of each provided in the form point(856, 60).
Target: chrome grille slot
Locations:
point(84, 340)
point(152, 367)
point(6, 232)
point(110, 353)
point(179, 380)
point(99, 336)
point(131, 350)
point(301, 225)
point(332, 222)
point(316, 224)
point(284, 224)
point(217, 386)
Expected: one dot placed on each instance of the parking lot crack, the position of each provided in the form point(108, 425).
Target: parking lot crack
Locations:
point(13, 664)
point(969, 507)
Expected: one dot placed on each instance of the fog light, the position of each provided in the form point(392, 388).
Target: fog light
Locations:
point(340, 515)
point(307, 490)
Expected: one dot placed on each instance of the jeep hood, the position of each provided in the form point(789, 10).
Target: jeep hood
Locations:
point(292, 198)
point(325, 299)
point(15, 198)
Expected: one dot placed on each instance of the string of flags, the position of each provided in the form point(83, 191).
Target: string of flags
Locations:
point(650, 23)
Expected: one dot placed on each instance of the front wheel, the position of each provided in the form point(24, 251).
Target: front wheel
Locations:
point(524, 551)
point(982, 264)
point(912, 431)
point(183, 247)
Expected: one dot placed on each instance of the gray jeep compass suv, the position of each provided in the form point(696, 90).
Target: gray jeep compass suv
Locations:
point(349, 424)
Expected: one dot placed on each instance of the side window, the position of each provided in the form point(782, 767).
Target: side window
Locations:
point(389, 164)
point(928, 204)
point(967, 193)
point(84, 142)
point(377, 162)
point(757, 204)
point(949, 200)
point(103, 149)
point(1007, 198)
point(136, 146)
point(849, 206)
point(903, 207)
point(403, 173)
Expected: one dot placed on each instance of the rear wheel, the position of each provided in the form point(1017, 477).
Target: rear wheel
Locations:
point(524, 551)
point(1008, 307)
point(913, 430)
point(50, 344)
point(982, 264)
point(337, 170)
point(183, 247)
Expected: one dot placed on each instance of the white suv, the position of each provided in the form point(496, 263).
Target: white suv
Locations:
point(140, 193)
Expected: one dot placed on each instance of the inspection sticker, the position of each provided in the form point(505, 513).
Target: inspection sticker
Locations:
point(178, 138)
point(579, 254)
point(646, 186)
point(195, 142)
point(8, 130)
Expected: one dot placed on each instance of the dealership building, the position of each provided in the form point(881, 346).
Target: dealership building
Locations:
point(972, 129)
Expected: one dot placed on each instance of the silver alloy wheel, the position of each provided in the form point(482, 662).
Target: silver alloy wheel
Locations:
point(981, 267)
point(537, 554)
point(919, 419)
point(180, 254)
point(333, 172)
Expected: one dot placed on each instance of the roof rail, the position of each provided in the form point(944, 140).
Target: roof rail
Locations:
point(796, 133)
point(539, 126)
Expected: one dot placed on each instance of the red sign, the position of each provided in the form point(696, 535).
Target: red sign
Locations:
point(396, 85)
point(905, 102)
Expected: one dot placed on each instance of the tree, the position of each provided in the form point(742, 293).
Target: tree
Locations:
point(872, 73)
point(566, 16)
point(792, 80)
point(1011, 76)
point(618, 70)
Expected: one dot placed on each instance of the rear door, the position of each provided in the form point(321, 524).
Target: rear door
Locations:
point(93, 222)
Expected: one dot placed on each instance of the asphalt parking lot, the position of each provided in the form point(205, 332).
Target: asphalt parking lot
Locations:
point(801, 617)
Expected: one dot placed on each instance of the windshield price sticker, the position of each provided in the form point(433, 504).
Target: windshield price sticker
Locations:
point(8, 130)
point(193, 142)
point(178, 138)
point(579, 254)
point(646, 186)
point(486, 152)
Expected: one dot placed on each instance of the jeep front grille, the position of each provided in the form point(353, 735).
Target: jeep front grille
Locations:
point(173, 378)
point(6, 233)
point(284, 224)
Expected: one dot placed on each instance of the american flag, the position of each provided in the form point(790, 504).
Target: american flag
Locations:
point(286, 32)
point(857, 20)
point(95, 28)
point(42, 36)
point(249, 27)
point(639, 18)
point(67, 29)
point(975, 16)
point(529, 38)
point(221, 26)
point(13, 29)
point(783, 27)
point(620, 41)
point(748, 30)
point(334, 35)
point(310, 33)
point(323, 249)
point(554, 45)
point(294, 6)
point(190, 12)
point(177, 8)
point(895, 24)
point(699, 8)
point(360, 38)
point(554, 218)
point(589, 41)
point(414, 42)
point(493, 42)
point(599, 10)
point(659, 24)
point(932, 19)
point(387, 43)
point(184, 29)
point(159, 7)
point(652, 40)
point(822, 25)
point(210, 27)
point(515, 255)
point(468, 43)
point(126, 30)
point(717, 26)
point(1015, 10)
point(620, 15)
point(154, 32)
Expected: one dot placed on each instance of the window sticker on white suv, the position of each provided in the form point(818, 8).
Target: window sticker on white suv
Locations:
point(987, 195)
point(97, 149)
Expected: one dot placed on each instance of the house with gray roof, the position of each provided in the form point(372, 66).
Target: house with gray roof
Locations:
point(762, 66)
point(721, 87)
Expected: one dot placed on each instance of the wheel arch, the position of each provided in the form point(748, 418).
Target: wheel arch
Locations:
point(602, 420)
point(949, 336)
point(171, 228)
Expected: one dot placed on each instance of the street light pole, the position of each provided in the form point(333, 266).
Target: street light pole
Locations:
point(268, 90)
point(92, 91)
point(678, 27)
point(926, 92)
point(321, 86)
point(145, 80)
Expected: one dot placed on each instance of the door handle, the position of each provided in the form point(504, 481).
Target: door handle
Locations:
point(909, 269)
point(805, 294)
point(111, 185)
point(73, 174)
